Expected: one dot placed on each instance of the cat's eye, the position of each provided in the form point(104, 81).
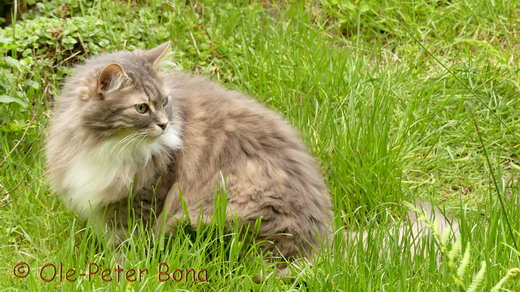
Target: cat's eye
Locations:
point(165, 101)
point(141, 108)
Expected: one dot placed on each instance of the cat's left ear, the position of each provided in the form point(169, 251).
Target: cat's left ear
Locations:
point(154, 55)
point(112, 77)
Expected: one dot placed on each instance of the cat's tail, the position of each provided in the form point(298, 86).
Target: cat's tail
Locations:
point(423, 219)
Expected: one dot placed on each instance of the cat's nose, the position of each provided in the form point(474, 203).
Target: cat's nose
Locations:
point(162, 125)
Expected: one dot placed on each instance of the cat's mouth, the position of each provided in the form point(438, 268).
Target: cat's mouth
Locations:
point(154, 133)
point(157, 131)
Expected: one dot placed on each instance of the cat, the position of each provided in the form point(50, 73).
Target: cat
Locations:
point(122, 123)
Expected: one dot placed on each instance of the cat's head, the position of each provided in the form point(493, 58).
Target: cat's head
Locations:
point(126, 96)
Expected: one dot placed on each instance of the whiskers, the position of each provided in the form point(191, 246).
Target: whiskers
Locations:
point(130, 142)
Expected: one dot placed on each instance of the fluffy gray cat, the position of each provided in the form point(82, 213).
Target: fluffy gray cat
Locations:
point(122, 125)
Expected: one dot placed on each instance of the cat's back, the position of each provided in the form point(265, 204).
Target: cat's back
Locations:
point(236, 127)
point(268, 171)
point(230, 111)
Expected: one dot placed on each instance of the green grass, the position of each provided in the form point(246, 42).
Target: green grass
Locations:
point(385, 93)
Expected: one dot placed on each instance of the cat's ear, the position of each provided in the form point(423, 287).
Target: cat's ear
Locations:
point(110, 78)
point(155, 55)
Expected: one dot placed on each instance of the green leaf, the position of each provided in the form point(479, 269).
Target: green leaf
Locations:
point(8, 99)
point(12, 62)
point(33, 84)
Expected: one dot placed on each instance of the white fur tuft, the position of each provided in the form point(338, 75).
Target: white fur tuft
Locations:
point(102, 175)
point(171, 138)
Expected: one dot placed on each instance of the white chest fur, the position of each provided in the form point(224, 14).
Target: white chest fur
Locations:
point(104, 174)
